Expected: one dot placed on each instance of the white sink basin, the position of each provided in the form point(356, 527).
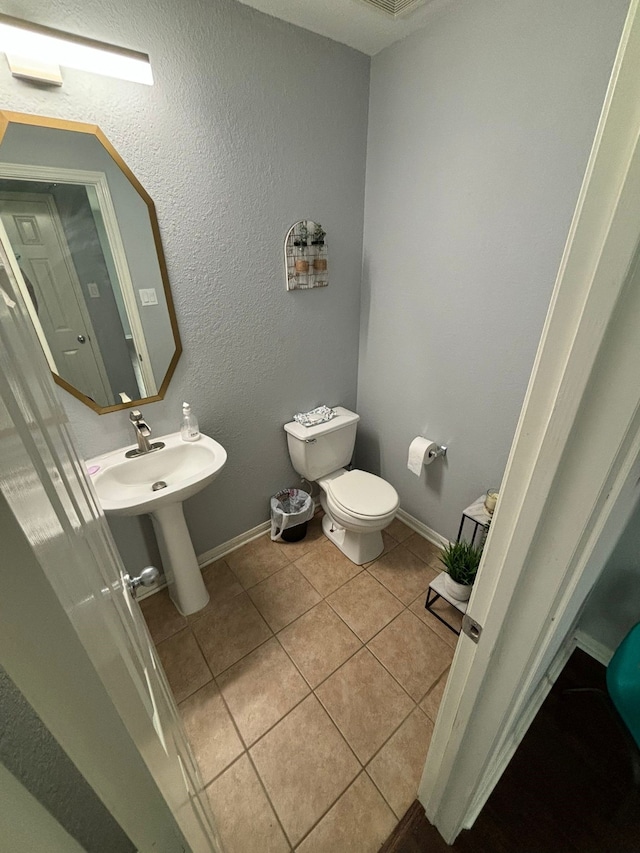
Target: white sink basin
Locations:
point(125, 486)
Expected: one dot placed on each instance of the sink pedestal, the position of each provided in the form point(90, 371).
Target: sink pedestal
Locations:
point(186, 587)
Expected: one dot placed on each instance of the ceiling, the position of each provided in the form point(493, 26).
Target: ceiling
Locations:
point(352, 22)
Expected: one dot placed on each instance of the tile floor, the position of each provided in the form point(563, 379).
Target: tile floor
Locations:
point(309, 688)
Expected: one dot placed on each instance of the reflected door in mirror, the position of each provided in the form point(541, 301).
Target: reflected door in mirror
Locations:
point(39, 243)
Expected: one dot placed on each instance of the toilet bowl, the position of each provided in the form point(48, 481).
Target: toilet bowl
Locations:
point(358, 505)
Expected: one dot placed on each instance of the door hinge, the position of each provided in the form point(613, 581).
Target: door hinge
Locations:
point(471, 628)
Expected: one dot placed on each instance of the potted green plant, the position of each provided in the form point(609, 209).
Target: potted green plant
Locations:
point(461, 561)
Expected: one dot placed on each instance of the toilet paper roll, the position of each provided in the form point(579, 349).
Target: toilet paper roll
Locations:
point(419, 450)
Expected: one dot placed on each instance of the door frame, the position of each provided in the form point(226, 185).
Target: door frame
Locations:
point(25, 824)
point(567, 493)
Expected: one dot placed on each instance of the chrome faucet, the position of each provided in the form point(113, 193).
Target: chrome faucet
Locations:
point(143, 433)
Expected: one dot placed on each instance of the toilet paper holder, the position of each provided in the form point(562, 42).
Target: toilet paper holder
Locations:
point(441, 450)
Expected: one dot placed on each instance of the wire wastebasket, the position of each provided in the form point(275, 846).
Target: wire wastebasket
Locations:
point(291, 510)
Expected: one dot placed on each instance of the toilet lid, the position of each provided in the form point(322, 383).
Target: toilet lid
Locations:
point(364, 494)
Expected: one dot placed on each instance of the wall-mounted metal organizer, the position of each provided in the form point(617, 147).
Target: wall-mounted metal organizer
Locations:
point(305, 256)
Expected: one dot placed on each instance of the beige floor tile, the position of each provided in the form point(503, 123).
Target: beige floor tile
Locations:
point(162, 618)
point(365, 703)
point(294, 550)
point(397, 768)
point(243, 814)
point(229, 632)
point(326, 567)
point(412, 653)
point(283, 597)
point(365, 605)
point(212, 735)
point(221, 583)
point(453, 617)
point(261, 688)
point(431, 702)
point(183, 663)
point(305, 766)
point(256, 561)
point(404, 574)
point(318, 642)
point(360, 822)
point(424, 549)
point(399, 530)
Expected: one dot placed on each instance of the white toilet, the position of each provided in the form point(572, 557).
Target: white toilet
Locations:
point(358, 506)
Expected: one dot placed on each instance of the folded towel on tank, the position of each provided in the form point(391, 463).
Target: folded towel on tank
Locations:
point(320, 415)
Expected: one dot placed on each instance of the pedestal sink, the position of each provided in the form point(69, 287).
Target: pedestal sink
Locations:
point(157, 483)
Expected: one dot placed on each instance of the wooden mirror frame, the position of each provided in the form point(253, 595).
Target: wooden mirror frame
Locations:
point(7, 118)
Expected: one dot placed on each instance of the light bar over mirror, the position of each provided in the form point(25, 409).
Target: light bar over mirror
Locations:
point(23, 41)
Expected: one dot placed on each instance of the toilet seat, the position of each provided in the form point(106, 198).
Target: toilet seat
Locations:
point(361, 495)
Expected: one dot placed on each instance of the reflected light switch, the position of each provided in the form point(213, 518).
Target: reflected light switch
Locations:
point(92, 287)
point(148, 296)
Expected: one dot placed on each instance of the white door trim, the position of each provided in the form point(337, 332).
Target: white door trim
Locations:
point(98, 180)
point(567, 490)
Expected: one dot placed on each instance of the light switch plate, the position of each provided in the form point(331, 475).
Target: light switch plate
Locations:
point(148, 296)
point(92, 287)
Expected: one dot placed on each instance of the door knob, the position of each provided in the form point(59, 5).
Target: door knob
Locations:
point(81, 339)
point(147, 577)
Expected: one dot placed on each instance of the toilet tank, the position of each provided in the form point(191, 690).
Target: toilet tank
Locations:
point(320, 450)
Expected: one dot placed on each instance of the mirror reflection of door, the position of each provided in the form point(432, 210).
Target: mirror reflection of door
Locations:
point(35, 231)
point(72, 288)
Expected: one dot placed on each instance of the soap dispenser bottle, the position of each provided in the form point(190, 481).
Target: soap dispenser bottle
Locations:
point(189, 429)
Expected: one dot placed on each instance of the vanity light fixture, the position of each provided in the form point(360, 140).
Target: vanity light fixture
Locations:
point(35, 52)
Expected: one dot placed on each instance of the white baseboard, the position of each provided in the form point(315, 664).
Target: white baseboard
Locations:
point(598, 651)
point(211, 556)
point(232, 544)
point(225, 548)
point(422, 529)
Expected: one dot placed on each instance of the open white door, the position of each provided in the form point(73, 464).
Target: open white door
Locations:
point(71, 637)
point(571, 479)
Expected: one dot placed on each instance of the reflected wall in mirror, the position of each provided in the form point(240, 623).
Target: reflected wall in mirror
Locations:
point(84, 243)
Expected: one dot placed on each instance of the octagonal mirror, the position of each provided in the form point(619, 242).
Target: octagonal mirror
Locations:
point(84, 243)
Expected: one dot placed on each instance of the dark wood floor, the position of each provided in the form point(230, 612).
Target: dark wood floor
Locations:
point(561, 792)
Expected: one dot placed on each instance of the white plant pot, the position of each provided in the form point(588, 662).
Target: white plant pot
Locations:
point(459, 591)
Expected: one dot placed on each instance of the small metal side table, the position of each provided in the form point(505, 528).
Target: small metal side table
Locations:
point(436, 591)
point(477, 515)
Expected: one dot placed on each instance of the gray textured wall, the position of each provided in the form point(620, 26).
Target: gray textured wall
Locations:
point(31, 753)
point(251, 125)
point(479, 131)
